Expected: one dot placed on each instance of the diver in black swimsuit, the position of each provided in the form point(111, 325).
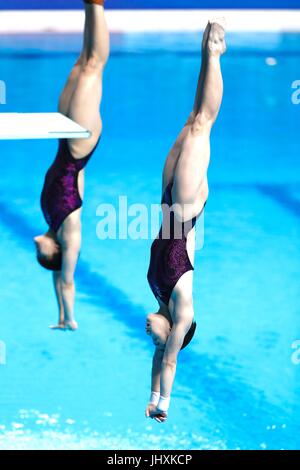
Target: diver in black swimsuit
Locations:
point(185, 191)
point(61, 199)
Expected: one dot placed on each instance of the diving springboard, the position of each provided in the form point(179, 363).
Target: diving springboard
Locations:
point(18, 126)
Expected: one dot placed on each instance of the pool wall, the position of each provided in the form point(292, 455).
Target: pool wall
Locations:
point(157, 4)
point(141, 21)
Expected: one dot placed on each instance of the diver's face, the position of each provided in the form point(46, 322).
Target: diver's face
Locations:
point(158, 328)
point(46, 246)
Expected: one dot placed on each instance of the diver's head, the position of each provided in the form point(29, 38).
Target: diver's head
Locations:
point(159, 328)
point(48, 252)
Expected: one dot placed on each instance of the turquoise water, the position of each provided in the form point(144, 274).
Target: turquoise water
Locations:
point(236, 386)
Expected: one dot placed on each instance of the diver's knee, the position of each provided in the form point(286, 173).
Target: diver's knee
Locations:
point(92, 66)
point(202, 124)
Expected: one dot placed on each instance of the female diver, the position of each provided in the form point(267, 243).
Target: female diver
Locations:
point(185, 191)
point(61, 200)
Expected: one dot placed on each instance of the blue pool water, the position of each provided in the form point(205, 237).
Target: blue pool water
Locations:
point(236, 386)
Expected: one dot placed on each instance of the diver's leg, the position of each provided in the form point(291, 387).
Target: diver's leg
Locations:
point(201, 79)
point(71, 83)
point(191, 168)
point(177, 147)
point(86, 99)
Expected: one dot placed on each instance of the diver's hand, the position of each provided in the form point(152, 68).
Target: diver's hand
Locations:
point(150, 409)
point(158, 415)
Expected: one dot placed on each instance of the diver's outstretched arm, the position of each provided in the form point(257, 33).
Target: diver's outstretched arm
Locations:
point(155, 381)
point(168, 370)
point(58, 294)
point(70, 241)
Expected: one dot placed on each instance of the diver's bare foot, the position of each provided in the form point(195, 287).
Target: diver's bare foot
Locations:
point(71, 325)
point(216, 44)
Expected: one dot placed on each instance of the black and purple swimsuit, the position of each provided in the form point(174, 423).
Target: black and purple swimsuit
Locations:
point(169, 257)
point(60, 195)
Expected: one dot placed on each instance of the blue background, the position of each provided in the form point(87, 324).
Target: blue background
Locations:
point(236, 386)
point(55, 4)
